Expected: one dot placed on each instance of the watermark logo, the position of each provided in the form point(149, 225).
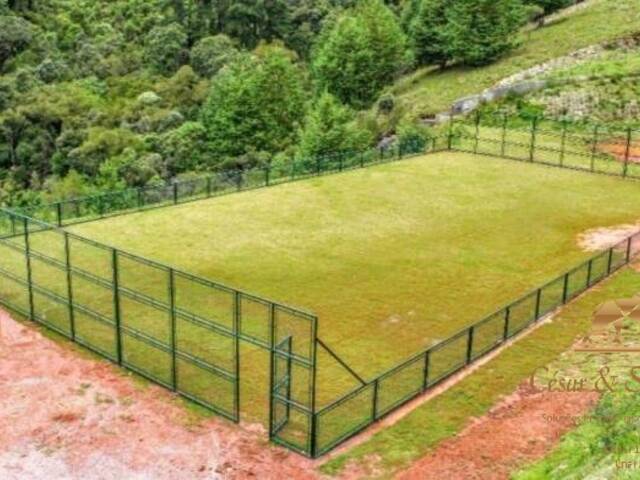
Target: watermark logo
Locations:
point(608, 325)
point(604, 360)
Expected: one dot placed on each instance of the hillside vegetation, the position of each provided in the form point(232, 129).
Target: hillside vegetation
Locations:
point(99, 95)
point(431, 90)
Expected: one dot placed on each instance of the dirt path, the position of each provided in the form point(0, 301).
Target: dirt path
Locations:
point(522, 428)
point(63, 416)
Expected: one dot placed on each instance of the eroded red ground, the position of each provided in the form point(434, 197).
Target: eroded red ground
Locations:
point(63, 416)
point(521, 429)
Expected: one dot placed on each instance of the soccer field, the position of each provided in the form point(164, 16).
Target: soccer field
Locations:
point(391, 258)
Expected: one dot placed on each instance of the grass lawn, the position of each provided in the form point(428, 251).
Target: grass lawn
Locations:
point(391, 258)
point(396, 447)
point(431, 90)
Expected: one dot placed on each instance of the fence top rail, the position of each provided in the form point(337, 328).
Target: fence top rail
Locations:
point(154, 263)
point(540, 120)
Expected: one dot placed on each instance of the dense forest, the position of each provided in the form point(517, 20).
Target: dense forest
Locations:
point(103, 94)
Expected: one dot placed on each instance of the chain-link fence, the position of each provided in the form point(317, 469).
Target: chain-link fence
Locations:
point(176, 329)
point(597, 148)
point(83, 209)
point(185, 332)
point(351, 413)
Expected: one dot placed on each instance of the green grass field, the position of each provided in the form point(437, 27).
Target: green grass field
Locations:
point(418, 433)
point(391, 258)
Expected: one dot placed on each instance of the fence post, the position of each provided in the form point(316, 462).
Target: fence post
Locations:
point(477, 133)
point(538, 297)
point(589, 267)
point(609, 260)
point(470, 344)
point(239, 180)
point(627, 153)
point(175, 193)
point(594, 147)
point(375, 400)
point(236, 341)
point(563, 142)
point(27, 251)
point(318, 166)
point(425, 379)
point(503, 147)
point(314, 385)
point(272, 352)
point(532, 146)
point(629, 249)
point(565, 288)
point(67, 258)
point(59, 213)
point(172, 313)
point(267, 170)
point(450, 133)
point(139, 197)
point(507, 314)
point(116, 304)
point(208, 186)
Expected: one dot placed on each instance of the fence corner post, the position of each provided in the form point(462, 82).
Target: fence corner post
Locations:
point(27, 251)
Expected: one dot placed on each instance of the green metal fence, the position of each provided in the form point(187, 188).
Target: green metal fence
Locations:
point(93, 207)
point(351, 413)
point(184, 331)
point(592, 147)
point(169, 326)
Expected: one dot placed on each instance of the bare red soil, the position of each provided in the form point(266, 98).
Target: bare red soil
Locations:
point(618, 148)
point(521, 429)
point(66, 416)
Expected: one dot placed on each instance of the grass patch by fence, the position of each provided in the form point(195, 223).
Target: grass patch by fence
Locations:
point(416, 434)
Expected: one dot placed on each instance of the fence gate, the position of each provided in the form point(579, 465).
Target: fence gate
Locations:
point(280, 386)
point(293, 378)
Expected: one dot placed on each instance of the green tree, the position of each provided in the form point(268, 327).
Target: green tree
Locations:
point(428, 32)
point(480, 31)
point(185, 149)
point(15, 36)
point(164, 48)
point(251, 21)
point(360, 53)
point(550, 6)
point(329, 127)
point(255, 104)
point(210, 54)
